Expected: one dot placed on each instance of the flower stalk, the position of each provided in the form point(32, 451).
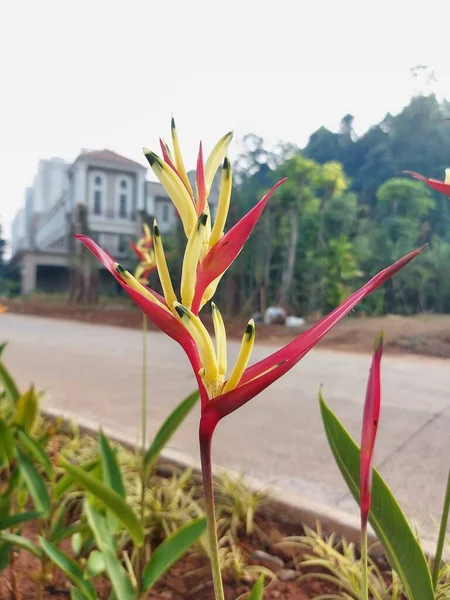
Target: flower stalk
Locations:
point(207, 427)
point(442, 534)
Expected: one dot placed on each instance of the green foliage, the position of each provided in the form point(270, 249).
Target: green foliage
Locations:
point(171, 550)
point(168, 428)
point(388, 521)
point(257, 592)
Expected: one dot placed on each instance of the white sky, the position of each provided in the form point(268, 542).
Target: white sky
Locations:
point(108, 74)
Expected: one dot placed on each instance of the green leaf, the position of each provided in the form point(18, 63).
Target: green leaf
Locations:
point(109, 498)
point(103, 535)
point(62, 534)
point(257, 592)
point(36, 451)
point(13, 520)
point(9, 384)
point(58, 521)
point(70, 568)
point(2, 347)
point(76, 542)
point(35, 483)
point(112, 476)
point(173, 547)
point(21, 542)
point(76, 594)
point(27, 410)
point(118, 576)
point(67, 481)
point(5, 555)
point(95, 564)
point(387, 519)
point(6, 442)
point(168, 428)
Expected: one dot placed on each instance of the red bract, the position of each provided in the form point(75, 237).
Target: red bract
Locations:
point(140, 255)
point(371, 418)
point(439, 186)
point(201, 186)
point(262, 374)
point(222, 254)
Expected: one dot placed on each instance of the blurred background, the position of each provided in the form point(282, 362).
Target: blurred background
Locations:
point(341, 97)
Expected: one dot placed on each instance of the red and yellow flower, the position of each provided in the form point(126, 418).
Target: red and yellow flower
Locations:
point(209, 252)
point(440, 186)
point(145, 254)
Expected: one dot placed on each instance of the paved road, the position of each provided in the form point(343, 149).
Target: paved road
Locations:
point(94, 371)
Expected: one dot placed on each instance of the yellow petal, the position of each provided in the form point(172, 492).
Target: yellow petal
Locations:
point(179, 159)
point(175, 189)
point(245, 351)
point(147, 234)
point(202, 339)
point(221, 339)
point(447, 176)
point(190, 261)
point(163, 270)
point(223, 205)
point(210, 291)
point(215, 159)
point(133, 283)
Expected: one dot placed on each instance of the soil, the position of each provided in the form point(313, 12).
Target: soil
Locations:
point(427, 335)
point(181, 582)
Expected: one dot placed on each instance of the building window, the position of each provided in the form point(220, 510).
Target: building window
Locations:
point(97, 196)
point(97, 202)
point(165, 213)
point(122, 243)
point(123, 205)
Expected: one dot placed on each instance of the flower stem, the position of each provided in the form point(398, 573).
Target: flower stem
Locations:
point(442, 532)
point(144, 381)
point(140, 557)
point(205, 454)
point(364, 566)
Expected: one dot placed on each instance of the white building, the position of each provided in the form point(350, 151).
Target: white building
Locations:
point(115, 193)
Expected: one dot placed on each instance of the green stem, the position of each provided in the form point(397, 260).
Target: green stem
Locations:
point(442, 532)
point(364, 565)
point(144, 381)
point(140, 556)
point(205, 454)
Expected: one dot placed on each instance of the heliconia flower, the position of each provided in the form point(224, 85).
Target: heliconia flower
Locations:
point(221, 396)
point(440, 186)
point(217, 251)
point(146, 255)
point(370, 422)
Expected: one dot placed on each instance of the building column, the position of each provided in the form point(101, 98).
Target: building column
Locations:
point(140, 198)
point(28, 278)
point(80, 184)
